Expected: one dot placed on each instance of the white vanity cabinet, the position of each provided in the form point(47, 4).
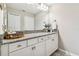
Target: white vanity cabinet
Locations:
point(34, 49)
point(23, 52)
point(55, 41)
point(39, 46)
point(51, 44)
point(40, 49)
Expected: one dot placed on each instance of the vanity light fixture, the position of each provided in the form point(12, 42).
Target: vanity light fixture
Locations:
point(40, 6)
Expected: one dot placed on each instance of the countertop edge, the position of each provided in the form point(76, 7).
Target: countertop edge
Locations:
point(1, 43)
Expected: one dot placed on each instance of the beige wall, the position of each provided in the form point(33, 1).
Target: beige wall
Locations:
point(67, 16)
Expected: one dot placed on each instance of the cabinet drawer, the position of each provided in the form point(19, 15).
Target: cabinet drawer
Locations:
point(42, 38)
point(17, 45)
point(53, 36)
point(50, 37)
point(32, 41)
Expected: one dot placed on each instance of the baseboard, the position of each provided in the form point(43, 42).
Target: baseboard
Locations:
point(67, 52)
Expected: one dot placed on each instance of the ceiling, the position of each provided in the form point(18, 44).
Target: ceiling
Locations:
point(26, 7)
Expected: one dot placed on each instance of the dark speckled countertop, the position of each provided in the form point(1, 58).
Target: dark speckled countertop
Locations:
point(26, 37)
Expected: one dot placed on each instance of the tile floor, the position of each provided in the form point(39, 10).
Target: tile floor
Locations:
point(59, 53)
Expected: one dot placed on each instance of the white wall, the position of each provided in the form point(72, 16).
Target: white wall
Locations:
point(67, 16)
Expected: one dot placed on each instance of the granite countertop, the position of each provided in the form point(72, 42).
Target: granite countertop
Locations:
point(26, 37)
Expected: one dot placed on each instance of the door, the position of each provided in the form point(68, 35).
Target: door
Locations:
point(40, 49)
point(23, 52)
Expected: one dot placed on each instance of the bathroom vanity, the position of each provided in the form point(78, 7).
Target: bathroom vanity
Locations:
point(34, 44)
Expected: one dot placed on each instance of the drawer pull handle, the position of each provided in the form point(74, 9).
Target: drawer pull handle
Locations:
point(19, 46)
point(42, 39)
point(33, 48)
point(52, 39)
point(48, 37)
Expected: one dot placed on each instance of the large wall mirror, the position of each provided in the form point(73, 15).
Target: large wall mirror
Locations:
point(1, 18)
point(23, 16)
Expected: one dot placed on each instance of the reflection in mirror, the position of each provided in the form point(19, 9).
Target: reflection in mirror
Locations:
point(26, 17)
point(3, 18)
point(21, 17)
point(13, 22)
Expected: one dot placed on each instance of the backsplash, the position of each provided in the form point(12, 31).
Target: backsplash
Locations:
point(32, 31)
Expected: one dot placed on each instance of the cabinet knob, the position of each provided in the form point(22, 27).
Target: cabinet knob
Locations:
point(42, 39)
point(33, 48)
point(52, 39)
point(48, 37)
point(19, 46)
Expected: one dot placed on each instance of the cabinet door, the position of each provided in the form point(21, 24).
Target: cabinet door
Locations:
point(40, 49)
point(49, 46)
point(23, 52)
point(55, 41)
point(4, 50)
